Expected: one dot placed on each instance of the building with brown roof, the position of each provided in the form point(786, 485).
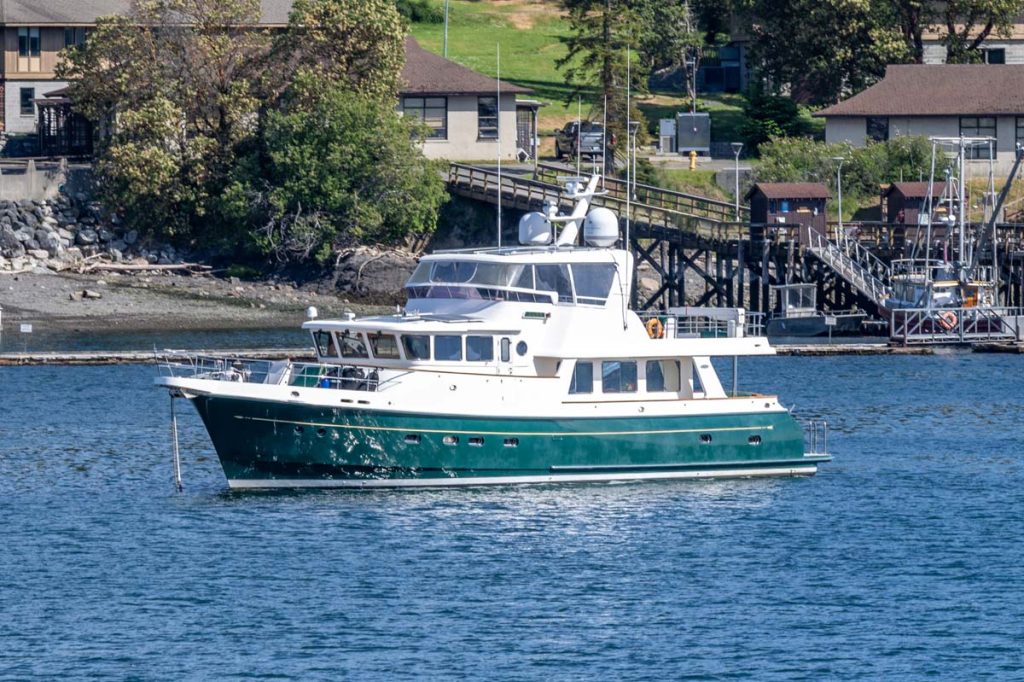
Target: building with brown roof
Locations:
point(790, 203)
point(458, 105)
point(946, 100)
point(461, 110)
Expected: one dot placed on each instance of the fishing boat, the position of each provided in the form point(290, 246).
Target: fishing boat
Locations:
point(514, 364)
point(798, 315)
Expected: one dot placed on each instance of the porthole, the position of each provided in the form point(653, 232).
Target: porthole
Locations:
point(321, 432)
point(412, 439)
point(476, 441)
point(754, 440)
point(521, 348)
point(299, 429)
point(705, 438)
point(450, 440)
point(511, 442)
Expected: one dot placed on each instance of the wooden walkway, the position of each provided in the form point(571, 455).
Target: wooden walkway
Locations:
point(697, 221)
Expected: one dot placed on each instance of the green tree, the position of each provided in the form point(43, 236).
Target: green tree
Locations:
point(343, 169)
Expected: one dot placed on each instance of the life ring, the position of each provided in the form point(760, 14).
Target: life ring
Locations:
point(655, 329)
point(947, 320)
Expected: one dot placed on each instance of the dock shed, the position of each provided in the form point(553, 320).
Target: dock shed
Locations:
point(903, 203)
point(791, 203)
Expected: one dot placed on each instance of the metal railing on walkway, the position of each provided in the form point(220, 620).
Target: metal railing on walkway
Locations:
point(956, 325)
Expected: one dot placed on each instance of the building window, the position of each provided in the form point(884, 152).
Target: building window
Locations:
point(74, 37)
point(28, 42)
point(1019, 138)
point(487, 118)
point(28, 101)
point(878, 128)
point(995, 55)
point(978, 126)
point(431, 112)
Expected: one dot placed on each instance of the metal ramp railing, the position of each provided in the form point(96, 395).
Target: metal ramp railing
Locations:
point(955, 325)
point(854, 263)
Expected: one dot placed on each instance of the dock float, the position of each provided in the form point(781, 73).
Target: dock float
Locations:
point(146, 357)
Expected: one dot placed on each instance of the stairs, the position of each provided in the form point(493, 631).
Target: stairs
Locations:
point(864, 271)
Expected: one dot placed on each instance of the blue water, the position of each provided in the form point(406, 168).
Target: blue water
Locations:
point(903, 558)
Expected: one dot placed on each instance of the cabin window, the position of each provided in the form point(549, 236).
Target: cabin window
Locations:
point(384, 346)
point(325, 344)
point(582, 378)
point(977, 126)
point(593, 282)
point(555, 278)
point(655, 377)
point(521, 348)
point(417, 346)
point(618, 376)
point(698, 386)
point(506, 350)
point(877, 128)
point(479, 348)
point(352, 346)
point(431, 112)
point(447, 347)
point(487, 118)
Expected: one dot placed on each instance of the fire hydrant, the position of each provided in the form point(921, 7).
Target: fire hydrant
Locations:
point(693, 159)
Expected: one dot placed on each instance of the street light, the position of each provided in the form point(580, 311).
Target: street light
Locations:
point(736, 147)
point(839, 190)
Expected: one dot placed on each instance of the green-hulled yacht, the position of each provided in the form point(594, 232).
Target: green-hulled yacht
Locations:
point(520, 364)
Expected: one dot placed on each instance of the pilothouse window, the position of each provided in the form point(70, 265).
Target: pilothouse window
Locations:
point(324, 344)
point(555, 278)
point(593, 282)
point(352, 346)
point(385, 346)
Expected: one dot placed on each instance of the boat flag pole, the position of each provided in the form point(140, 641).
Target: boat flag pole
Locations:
point(499, 143)
point(628, 124)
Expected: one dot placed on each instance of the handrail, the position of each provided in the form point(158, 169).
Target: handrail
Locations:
point(955, 325)
point(849, 268)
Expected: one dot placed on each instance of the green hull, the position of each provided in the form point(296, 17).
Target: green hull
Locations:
point(266, 444)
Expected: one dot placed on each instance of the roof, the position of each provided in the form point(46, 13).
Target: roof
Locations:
point(790, 190)
point(915, 189)
point(939, 90)
point(426, 73)
point(65, 12)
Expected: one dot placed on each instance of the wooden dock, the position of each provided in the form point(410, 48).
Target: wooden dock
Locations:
point(148, 357)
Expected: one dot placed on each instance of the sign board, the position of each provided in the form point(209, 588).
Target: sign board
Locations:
point(26, 329)
point(830, 321)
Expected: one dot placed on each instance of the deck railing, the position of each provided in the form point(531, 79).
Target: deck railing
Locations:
point(274, 372)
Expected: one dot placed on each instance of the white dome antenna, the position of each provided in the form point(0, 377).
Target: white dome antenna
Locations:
point(601, 228)
point(534, 230)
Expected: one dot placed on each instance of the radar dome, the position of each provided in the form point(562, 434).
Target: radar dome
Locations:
point(534, 230)
point(601, 228)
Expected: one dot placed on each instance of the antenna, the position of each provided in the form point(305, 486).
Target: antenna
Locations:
point(604, 141)
point(499, 144)
point(628, 126)
point(579, 133)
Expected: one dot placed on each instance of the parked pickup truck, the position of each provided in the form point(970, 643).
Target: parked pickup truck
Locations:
point(591, 140)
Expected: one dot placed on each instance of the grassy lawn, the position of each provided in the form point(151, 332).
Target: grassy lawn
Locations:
point(701, 182)
point(529, 34)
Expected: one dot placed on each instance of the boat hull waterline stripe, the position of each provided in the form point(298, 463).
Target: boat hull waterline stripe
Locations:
point(242, 484)
point(548, 434)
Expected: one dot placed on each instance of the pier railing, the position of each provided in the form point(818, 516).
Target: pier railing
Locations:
point(956, 325)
